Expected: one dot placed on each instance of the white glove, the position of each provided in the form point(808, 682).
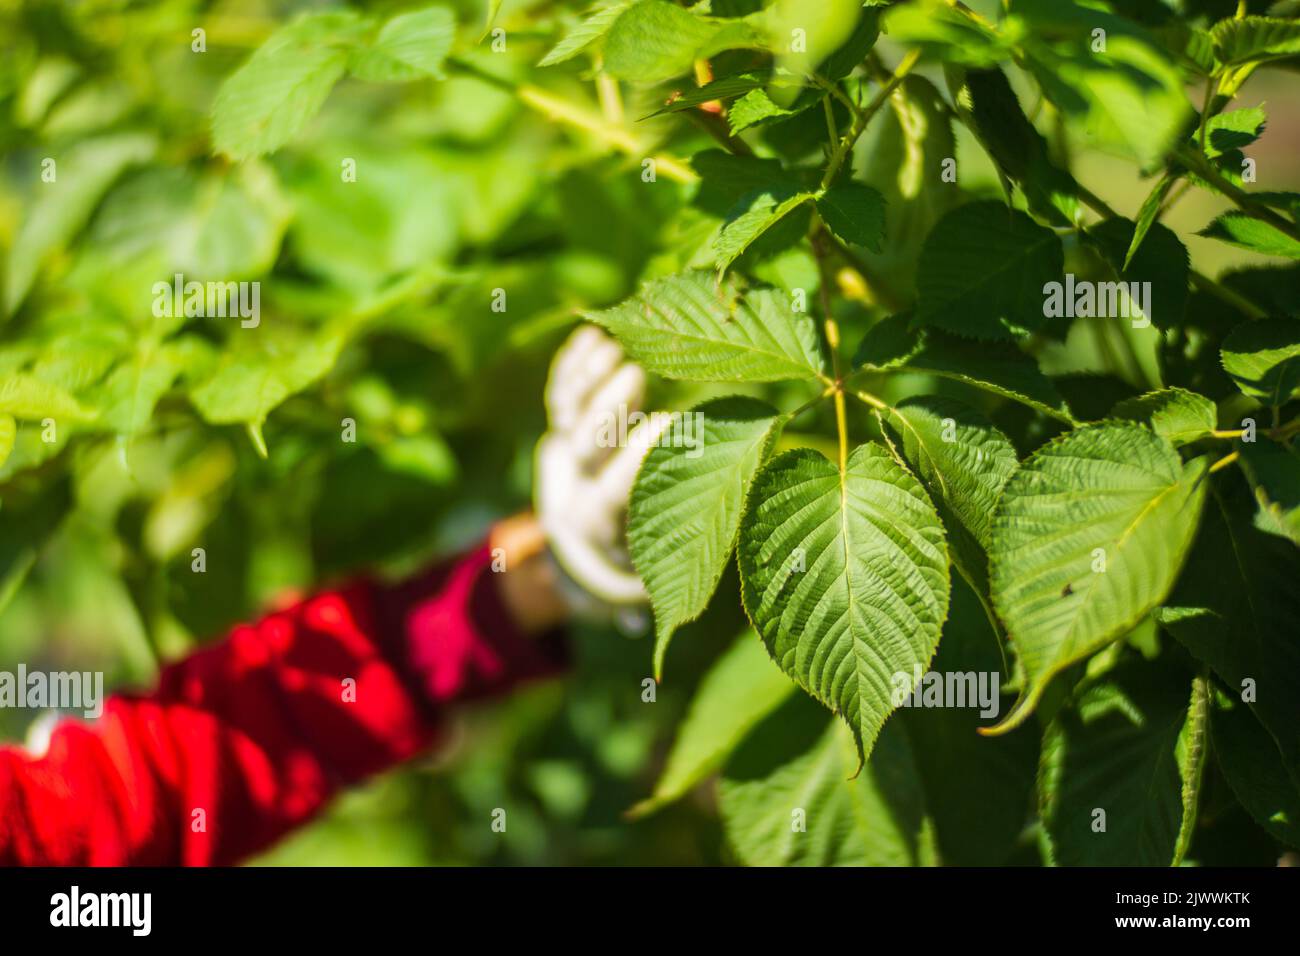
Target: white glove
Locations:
point(593, 403)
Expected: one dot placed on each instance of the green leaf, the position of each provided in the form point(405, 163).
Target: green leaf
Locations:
point(945, 33)
point(1147, 215)
point(987, 102)
point(410, 46)
point(983, 270)
point(8, 430)
point(964, 462)
point(1088, 538)
point(997, 367)
point(790, 796)
point(697, 327)
point(28, 398)
point(978, 789)
point(260, 370)
point(127, 398)
point(1235, 608)
point(1230, 131)
point(83, 176)
point(740, 689)
point(1263, 359)
point(855, 213)
point(655, 40)
point(845, 576)
point(1253, 767)
point(1273, 470)
point(1125, 748)
point(753, 108)
point(1238, 229)
point(754, 215)
point(283, 84)
point(1160, 261)
point(720, 89)
point(1129, 95)
point(686, 504)
point(1173, 413)
point(1238, 42)
point(591, 29)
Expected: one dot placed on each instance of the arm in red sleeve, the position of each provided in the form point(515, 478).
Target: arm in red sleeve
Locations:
point(247, 739)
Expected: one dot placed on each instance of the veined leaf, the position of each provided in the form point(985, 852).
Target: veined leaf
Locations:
point(790, 796)
point(754, 215)
point(591, 29)
point(1230, 131)
point(945, 33)
point(1114, 767)
point(1088, 538)
point(1263, 358)
point(1253, 767)
point(1273, 470)
point(654, 40)
point(983, 270)
point(1238, 229)
point(697, 327)
point(986, 100)
point(855, 213)
point(1235, 608)
point(964, 462)
point(283, 84)
point(998, 367)
point(740, 689)
point(1160, 262)
point(1173, 413)
point(1254, 39)
point(686, 504)
point(845, 576)
point(410, 46)
point(723, 88)
point(28, 398)
point(261, 371)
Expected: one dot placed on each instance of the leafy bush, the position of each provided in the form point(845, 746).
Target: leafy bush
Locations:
point(855, 243)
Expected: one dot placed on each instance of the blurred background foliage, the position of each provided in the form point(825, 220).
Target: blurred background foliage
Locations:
point(376, 306)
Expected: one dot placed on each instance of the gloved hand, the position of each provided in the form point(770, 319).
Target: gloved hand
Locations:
point(586, 463)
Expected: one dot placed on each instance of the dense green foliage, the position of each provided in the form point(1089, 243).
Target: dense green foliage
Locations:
point(832, 231)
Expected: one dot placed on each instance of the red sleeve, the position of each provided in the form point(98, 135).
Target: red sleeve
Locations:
point(247, 739)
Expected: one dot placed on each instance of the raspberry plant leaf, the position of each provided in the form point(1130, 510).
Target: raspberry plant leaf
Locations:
point(1088, 538)
point(264, 103)
point(792, 795)
point(698, 327)
point(1121, 769)
point(685, 508)
point(1273, 470)
point(408, 47)
point(1263, 358)
point(1172, 413)
point(1254, 770)
point(982, 272)
point(1234, 609)
point(754, 215)
point(844, 573)
point(741, 688)
point(855, 213)
point(998, 367)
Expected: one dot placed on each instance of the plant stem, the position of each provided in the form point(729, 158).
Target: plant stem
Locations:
point(1242, 199)
point(561, 110)
point(1224, 462)
point(864, 117)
